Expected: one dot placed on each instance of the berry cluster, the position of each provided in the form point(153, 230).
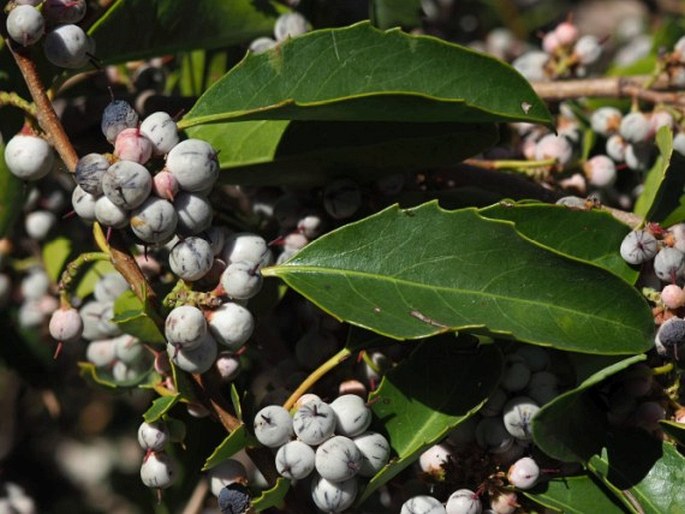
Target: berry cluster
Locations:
point(158, 470)
point(66, 44)
point(499, 435)
point(329, 438)
point(114, 353)
point(661, 254)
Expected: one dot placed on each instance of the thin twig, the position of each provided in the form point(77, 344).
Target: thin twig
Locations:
point(315, 376)
point(639, 87)
point(45, 112)
point(197, 499)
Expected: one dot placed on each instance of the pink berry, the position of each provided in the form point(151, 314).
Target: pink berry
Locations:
point(673, 296)
point(550, 43)
point(131, 145)
point(567, 33)
point(165, 185)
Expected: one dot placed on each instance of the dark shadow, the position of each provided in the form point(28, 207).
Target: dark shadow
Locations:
point(631, 454)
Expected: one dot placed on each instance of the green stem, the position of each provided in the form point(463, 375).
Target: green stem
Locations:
point(510, 164)
point(316, 375)
point(14, 100)
point(663, 370)
point(75, 267)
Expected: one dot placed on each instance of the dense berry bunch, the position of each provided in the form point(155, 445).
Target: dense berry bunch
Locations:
point(331, 439)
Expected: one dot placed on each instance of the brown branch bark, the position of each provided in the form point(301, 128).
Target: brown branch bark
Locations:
point(636, 87)
point(45, 113)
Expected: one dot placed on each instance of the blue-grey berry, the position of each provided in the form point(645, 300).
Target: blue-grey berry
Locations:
point(117, 116)
point(234, 499)
point(89, 171)
point(127, 184)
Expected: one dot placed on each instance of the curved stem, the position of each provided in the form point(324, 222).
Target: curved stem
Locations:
point(315, 376)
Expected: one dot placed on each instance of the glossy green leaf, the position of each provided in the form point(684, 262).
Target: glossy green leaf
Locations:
point(310, 153)
point(664, 184)
point(87, 282)
point(674, 430)
point(392, 13)
point(427, 395)
point(158, 27)
point(576, 495)
point(411, 273)
point(573, 427)
point(644, 473)
point(272, 497)
point(55, 255)
point(232, 444)
point(593, 236)
point(11, 196)
point(360, 73)
point(160, 406)
point(132, 318)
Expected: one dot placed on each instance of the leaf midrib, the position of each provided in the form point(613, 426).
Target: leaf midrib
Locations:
point(397, 281)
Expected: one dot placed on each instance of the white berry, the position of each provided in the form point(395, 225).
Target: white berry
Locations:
point(375, 451)
point(314, 422)
point(25, 24)
point(160, 129)
point(273, 426)
point(518, 417)
point(524, 473)
point(194, 163)
point(68, 46)
point(158, 470)
point(463, 501)
point(231, 325)
point(29, 157)
point(241, 280)
point(334, 496)
point(422, 505)
point(153, 436)
point(352, 415)
point(185, 326)
point(196, 360)
point(295, 460)
point(338, 459)
point(191, 258)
